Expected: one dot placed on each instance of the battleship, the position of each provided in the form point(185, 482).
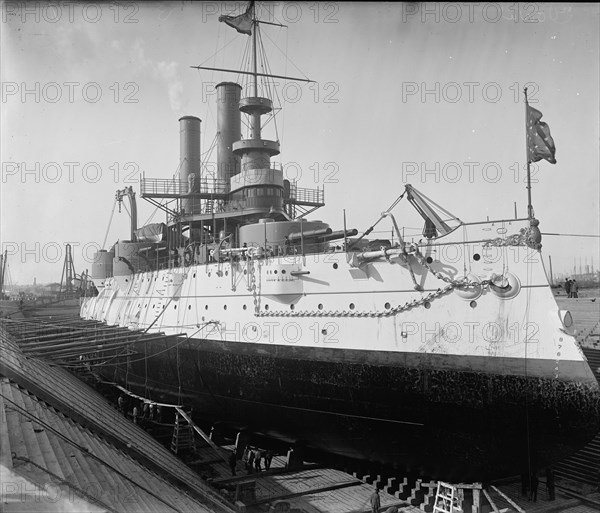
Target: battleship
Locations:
point(443, 354)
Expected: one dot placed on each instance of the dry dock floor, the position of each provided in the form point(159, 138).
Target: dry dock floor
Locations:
point(310, 488)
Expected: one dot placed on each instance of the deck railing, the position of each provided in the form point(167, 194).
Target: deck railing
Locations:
point(177, 187)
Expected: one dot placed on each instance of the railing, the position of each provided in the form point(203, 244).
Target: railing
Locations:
point(176, 187)
point(303, 195)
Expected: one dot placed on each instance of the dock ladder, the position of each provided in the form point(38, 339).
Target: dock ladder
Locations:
point(447, 499)
point(183, 435)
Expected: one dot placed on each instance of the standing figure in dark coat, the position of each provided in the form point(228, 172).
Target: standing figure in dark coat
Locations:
point(232, 461)
point(375, 501)
point(251, 456)
point(550, 484)
point(258, 454)
point(534, 482)
point(268, 458)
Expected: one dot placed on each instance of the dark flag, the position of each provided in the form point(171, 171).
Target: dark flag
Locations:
point(540, 144)
point(241, 23)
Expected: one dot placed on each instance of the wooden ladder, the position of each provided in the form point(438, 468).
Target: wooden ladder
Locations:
point(183, 435)
point(447, 499)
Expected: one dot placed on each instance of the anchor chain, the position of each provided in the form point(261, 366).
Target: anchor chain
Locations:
point(453, 283)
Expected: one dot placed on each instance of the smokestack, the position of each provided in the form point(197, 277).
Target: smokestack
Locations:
point(189, 157)
point(229, 130)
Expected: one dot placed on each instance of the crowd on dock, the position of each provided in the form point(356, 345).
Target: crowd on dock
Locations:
point(253, 458)
point(139, 411)
point(571, 288)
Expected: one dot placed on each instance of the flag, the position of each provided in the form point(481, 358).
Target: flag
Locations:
point(540, 144)
point(241, 23)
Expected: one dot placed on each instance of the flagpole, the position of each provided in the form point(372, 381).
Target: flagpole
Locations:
point(529, 206)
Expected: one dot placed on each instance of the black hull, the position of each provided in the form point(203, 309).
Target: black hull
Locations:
point(449, 424)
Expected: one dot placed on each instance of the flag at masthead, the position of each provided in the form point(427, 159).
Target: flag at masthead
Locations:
point(540, 144)
point(241, 23)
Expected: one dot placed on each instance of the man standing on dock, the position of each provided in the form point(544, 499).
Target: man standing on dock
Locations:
point(232, 461)
point(375, 501)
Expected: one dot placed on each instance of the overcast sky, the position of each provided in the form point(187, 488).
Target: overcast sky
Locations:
point(425, 94)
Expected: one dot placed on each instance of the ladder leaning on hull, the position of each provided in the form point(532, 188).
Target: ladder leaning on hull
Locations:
point(447, 499)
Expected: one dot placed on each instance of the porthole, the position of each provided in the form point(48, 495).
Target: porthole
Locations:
point(275, 271)
point(473, 304)
point(351, 306)
point(224, 307)
point(226, 273)
point(320, 307)
point(244, 307)
point(476, 257)
point(266, 307)
point(189, 307)
point(194, 275)
point(245, 271)
point(427, 304)
point(292, 307)
point(429, 260)
point(283, 271)
point(335, 266)
point(206, 307)
point(387, 306)
point(174, 307)
point(126, 279)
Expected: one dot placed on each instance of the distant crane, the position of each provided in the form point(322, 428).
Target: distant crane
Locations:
point(2, 274)
point(68, 273)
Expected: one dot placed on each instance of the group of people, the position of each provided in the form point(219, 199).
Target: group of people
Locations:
point(530, 483)
point(253, 458)
point(571, 288)
point(139, 411)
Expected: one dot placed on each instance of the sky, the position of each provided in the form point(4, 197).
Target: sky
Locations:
point(428, 94)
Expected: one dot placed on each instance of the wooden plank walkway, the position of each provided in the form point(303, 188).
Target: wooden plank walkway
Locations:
point(310, 489)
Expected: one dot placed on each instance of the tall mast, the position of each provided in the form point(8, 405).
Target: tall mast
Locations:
point(255, 130)
point(254, 64)
point(529, 205)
